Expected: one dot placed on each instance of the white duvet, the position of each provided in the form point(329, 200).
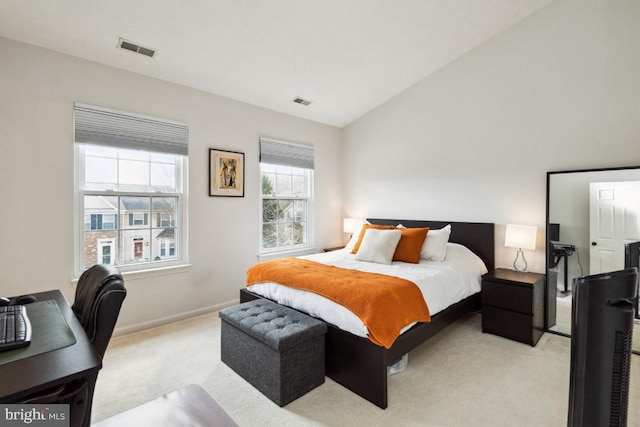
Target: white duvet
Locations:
point(441, 283)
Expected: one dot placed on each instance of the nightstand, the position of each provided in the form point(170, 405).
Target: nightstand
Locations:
point(513, 305)
point(333, 249)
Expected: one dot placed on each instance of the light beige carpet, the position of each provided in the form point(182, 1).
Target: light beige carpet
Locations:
point(563, 322)
point(461, 377)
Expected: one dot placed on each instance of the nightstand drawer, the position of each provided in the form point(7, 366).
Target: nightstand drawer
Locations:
point(513, 305)
point(512, 297)
point(509, 324)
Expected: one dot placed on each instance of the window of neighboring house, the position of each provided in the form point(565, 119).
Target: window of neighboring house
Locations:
point(138, 218)
point(287, 197)
point(99, 222)
point(130, 169)
point(109, 221)
point(164, 219)
point(167, 248)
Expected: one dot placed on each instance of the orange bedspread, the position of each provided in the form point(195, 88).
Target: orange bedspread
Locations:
point(385, 304)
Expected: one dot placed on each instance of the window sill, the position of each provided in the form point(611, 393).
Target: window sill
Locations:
point(287, 253)
point(150, 272)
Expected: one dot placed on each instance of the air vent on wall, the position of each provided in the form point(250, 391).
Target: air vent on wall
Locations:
point(133, 47)
point(301, 101)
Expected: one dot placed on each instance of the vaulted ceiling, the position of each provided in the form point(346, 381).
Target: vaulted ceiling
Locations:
point(345, 56)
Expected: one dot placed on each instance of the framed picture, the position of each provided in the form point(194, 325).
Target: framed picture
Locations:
point(226, 173)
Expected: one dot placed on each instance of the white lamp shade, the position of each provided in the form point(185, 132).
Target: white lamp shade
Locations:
point(520, 236)
point(349, 225)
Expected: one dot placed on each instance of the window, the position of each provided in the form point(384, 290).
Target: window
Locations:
point(287, 175)
point(130, 190)
point(138, 218)
point(164, 219)
point(100, 221)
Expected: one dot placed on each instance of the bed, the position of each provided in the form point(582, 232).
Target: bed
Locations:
point(360, 365)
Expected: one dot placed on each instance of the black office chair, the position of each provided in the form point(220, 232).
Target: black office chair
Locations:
point(99, 296)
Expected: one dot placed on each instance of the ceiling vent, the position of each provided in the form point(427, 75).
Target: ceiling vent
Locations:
point(301, 101)
point(133, 47)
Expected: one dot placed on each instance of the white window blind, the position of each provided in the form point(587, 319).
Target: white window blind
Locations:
point(286, 154)
point(101, 126)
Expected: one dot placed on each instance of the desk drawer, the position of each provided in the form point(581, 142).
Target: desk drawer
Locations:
point(504, 295)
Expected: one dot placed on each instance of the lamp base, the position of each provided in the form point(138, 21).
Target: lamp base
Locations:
point(516, 266)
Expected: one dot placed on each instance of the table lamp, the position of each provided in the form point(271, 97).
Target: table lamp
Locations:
point(521, 237)
point(349, 226)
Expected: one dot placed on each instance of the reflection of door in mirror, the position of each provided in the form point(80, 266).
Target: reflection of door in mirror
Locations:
point(575, 223)
point(613, 221)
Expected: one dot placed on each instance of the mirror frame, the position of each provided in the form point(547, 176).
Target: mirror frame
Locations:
point(549, 174)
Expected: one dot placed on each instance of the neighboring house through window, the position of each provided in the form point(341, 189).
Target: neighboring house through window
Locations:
point(131, 171)
point(287, 195)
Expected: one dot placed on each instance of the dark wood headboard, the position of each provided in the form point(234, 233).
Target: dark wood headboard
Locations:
point(479, 237)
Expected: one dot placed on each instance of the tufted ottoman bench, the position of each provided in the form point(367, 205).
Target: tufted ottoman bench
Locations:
point(278, 350)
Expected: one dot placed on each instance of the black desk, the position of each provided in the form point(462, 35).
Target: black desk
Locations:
point(559, 252)
point(24, 377)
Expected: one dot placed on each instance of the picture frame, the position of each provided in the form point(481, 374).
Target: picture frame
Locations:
point(226, 173)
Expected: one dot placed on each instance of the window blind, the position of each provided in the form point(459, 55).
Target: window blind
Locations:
point(101, 126)
point(286, 154)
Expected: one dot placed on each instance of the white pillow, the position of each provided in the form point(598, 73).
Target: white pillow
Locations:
point(461, 254)
point(434, 247)
point(378, 245)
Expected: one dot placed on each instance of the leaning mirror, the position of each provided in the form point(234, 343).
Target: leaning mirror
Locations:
point(593, 226)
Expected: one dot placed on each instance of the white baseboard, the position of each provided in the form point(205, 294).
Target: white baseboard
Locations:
point(173, 318)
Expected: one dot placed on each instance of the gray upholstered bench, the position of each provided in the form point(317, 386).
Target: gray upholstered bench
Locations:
point(278, 350)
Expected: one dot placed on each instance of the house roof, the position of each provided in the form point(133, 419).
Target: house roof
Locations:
point(100, 204)
point(108, 204)
point(167, 233)
point(159, 204)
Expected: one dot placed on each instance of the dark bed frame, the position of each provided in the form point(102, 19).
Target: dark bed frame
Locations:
point(361, 366)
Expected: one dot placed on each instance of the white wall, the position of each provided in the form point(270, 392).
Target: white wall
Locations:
point(473, 142)
point(37, 91)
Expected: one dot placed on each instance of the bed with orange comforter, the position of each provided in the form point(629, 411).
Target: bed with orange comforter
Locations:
point(393, 319)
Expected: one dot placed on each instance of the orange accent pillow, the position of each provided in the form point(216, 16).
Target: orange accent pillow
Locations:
point(410, 245)
point(364, 228)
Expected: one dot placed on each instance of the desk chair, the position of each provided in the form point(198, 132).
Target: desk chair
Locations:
point(99, 296)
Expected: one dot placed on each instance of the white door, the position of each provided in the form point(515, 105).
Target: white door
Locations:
point(105, 252)
point(614, 215)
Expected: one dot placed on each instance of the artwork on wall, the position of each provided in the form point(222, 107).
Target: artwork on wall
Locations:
point(226, 173)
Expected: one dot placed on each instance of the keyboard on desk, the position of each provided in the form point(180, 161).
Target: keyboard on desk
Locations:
point(15, 328)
